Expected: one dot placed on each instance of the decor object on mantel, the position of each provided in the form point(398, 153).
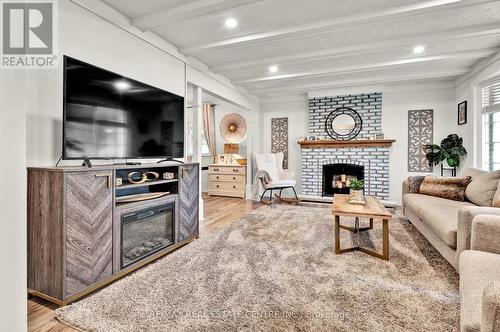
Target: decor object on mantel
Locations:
point(451, 150)
point(279, 138)
point(356, 193)
point(420, 133)
point(233, 128)
point(343, 124)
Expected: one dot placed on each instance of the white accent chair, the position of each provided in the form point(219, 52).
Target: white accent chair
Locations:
point(273, 177)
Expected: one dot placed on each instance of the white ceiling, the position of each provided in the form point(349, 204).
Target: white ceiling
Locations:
point(323, 43)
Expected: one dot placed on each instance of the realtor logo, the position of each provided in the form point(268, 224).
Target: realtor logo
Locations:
point(28, 34)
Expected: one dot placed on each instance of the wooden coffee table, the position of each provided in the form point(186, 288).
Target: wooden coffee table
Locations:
point(373, 210)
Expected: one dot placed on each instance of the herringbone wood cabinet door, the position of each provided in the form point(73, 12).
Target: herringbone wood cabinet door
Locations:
point(89, 225)
point(188, 202)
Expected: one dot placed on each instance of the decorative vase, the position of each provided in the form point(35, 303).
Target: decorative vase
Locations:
point(356, 197)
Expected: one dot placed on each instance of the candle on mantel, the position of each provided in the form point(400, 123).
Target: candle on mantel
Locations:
point(339, 184)
point(348, 183)
point(342, 178)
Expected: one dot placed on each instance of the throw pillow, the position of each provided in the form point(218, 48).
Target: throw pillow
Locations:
point(449, 188)
point(481, 191)
point(414, 183)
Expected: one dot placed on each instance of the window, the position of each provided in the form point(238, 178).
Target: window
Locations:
point(205, 151)
point(491, 126)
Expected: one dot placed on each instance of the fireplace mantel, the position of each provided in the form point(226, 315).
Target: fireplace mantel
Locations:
point(346, 144)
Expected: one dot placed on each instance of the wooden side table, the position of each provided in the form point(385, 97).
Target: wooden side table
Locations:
point(372, 210)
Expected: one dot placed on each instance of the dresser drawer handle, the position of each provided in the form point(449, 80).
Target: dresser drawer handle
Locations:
point(234, 187)
point(234, 177)
point(217, 186)
point(217, 177)
point(235, 170)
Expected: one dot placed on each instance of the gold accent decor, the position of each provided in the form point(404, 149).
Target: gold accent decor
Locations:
point(231, 148)
point(242, 161)
point(141, 180)
point(153, 175)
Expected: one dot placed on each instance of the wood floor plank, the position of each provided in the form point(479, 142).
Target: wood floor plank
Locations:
point(218, 212)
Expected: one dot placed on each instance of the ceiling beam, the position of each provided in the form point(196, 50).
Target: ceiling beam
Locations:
point(476, 31)
point(475, 54)
point(350, 82)
point(337, 23)
point(191, 10)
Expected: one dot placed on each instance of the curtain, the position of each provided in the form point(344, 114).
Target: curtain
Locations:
point(209, 128)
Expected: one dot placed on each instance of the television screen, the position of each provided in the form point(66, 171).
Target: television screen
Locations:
point(108, 116)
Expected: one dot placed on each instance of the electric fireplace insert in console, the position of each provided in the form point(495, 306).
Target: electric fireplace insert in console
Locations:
point(145, 232)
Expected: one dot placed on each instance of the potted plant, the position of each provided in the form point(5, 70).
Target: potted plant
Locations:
point(451, 150)
point(356, 194)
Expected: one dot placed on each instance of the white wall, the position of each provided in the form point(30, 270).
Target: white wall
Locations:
point(396, 99)
point(395, 106)
point(90, 38)
point(13, 201)
point(297, 113)
point(469, 89)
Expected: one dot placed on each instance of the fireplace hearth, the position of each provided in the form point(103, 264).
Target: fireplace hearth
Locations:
point(337, 177)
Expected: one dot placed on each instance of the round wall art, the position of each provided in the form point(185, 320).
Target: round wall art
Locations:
point(343, 124)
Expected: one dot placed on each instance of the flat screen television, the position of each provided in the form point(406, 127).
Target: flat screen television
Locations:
point(109, 116)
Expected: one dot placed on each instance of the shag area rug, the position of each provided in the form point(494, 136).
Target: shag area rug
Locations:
point(276, 270)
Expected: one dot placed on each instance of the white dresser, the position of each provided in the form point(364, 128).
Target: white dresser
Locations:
point(227, 180)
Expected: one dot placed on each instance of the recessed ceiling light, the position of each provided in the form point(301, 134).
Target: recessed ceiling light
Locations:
point(273, 69)
point(122, 85)
point(418, 49)
point(231, 23)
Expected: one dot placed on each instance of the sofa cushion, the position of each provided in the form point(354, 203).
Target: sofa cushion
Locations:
point(414, 183)
point(483, 187)
point(445, 187)
point(477, 269)
point(439, 214)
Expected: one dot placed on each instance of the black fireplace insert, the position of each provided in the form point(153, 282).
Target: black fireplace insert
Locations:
point(145, 232)
point(337, 177)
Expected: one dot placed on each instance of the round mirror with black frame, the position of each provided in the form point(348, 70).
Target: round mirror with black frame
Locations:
point(343, 124)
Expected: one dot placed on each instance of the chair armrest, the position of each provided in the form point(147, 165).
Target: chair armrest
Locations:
point(464, 227)
point(490, 312)
point(406, 186)
point(485, 234)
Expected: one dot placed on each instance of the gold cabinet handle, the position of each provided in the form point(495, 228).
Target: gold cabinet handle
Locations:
point(107, 175)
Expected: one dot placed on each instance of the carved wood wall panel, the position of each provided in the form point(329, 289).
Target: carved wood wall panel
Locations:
point(89, 226)
point(420, 133)
point(279, 138)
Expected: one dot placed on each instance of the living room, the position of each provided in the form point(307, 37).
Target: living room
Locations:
point(316, 165)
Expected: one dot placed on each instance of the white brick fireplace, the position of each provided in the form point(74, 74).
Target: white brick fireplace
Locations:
point(372, 154)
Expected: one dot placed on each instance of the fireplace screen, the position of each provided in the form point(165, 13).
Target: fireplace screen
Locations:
point(146, 232)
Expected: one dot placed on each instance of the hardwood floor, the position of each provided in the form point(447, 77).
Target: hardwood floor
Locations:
point(218, 211)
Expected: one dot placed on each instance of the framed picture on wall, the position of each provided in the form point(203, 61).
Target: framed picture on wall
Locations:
point(462, 113)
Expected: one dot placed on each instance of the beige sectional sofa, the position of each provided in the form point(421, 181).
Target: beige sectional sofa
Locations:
point(467, 234)
point(447, 224)
point(480, 277)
